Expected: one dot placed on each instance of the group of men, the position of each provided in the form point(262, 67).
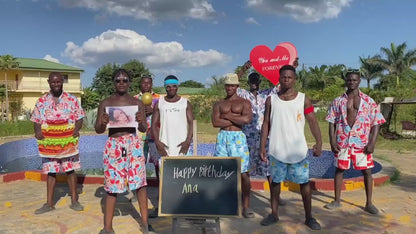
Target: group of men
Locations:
point(263, 127)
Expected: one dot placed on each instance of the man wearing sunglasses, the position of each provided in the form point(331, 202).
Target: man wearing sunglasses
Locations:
point(354, 121)
point(123, 154)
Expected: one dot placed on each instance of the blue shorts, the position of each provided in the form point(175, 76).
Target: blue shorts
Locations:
point(297, 172)
point(233, 144)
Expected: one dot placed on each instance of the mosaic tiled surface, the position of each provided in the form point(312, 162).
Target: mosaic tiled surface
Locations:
point(23, 155)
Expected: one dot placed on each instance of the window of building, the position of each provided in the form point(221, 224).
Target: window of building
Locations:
point(65, 78)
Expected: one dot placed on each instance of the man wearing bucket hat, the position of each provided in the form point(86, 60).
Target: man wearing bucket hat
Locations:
point(230, 114)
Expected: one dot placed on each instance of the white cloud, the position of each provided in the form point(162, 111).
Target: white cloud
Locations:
point(122, 45)
point(151, 10)
point(251, 20)
point(301, 10)
point(50, 58)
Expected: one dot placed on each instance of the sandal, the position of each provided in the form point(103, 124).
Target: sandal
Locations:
point(313, 224)
point(103, 231)
point(372, 209)
point(270, 219)
point(76, 206)
point(333, 205)
point(248, 213)
point(45, 208)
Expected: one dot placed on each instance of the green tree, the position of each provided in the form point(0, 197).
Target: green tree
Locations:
point(103, 81)
point(136, 70)
point(191, 84)
point(396, 60)
point(90, 99)
point(7, 63)
point(370, 71)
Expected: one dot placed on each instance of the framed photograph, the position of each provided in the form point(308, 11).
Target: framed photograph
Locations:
point(122, 116)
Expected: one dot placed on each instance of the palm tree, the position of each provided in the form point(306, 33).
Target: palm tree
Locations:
point(369, 71)
point(397, 59)
point(8, 62)
point(321, 76)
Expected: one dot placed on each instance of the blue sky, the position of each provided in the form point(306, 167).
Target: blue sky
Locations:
point(198, 39)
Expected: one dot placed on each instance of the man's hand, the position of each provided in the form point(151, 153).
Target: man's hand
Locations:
point(247, 65)
point(296, 62)
point(39, 135)
point(105, 118)
point(139, 117)
point(335, 148)
point(369, 149)
point(184, 147)
point(317, 150)
point(148, 110)
point(161, 148)
point(263, 156)
point(76, 134)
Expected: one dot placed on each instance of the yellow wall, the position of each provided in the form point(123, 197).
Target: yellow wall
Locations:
point(31, 85)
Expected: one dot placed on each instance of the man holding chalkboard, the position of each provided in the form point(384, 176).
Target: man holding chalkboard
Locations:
point(284, 122)
point(123, 155)
point(230, 115)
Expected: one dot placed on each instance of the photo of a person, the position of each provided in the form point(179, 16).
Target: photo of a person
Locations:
point(120, 117)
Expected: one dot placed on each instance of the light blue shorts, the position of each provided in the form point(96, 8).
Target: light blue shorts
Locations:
point(233, 144)
point(297, 172)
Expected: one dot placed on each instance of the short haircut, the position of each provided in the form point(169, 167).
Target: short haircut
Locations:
point(57, 74)
point(353, 73)
point(121, 71)
point(287, 67)
point(171, 77)
point(254, 77)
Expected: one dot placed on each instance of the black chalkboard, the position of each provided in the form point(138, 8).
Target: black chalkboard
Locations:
point(200, 186)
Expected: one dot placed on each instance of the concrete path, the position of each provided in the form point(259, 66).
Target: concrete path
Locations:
point(19, 199)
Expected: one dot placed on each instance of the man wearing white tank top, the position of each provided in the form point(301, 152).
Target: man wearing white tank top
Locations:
point(172, 125)
point(284, 121)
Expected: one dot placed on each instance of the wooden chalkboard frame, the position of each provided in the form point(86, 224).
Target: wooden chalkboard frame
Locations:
point(238, 186)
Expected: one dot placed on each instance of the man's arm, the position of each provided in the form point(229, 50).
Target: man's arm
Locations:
point(245, 117)
point(154, 129)
point(141, 117)
point(313, 126)
point(102, 119)
point(78, 126)
point(265, 127)
point(246, 66)
point(368, 149)
point(189, 118)
point(218, 122)
point(38, 131)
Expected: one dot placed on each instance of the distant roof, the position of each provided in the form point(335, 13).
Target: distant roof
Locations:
point(186, 90)
point(42, 64)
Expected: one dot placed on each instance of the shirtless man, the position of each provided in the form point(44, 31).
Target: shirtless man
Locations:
point(230, 115)
point(123, 154)
point(354, 121)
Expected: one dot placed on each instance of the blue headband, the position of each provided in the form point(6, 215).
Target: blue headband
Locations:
point(171, 81)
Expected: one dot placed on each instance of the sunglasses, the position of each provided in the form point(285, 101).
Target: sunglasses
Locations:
point(353, 70)
point(125, 80)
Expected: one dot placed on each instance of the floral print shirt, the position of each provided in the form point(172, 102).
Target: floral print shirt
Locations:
point(67, 108)
point(258, 106)
point(368, 115)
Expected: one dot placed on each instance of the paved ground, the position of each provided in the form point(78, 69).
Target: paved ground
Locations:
point(397, 202)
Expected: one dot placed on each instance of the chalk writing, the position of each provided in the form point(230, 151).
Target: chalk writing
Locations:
point(184, 173)
point(188, 188)
point(211, 171)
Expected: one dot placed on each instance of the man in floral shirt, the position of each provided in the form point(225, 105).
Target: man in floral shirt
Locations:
point(354, 121)
point(57, 120)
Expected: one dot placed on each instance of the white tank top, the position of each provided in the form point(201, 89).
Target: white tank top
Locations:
point(287, 137)
point(173, 124)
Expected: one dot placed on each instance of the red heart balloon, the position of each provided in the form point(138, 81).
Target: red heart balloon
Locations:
point(268, 63)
